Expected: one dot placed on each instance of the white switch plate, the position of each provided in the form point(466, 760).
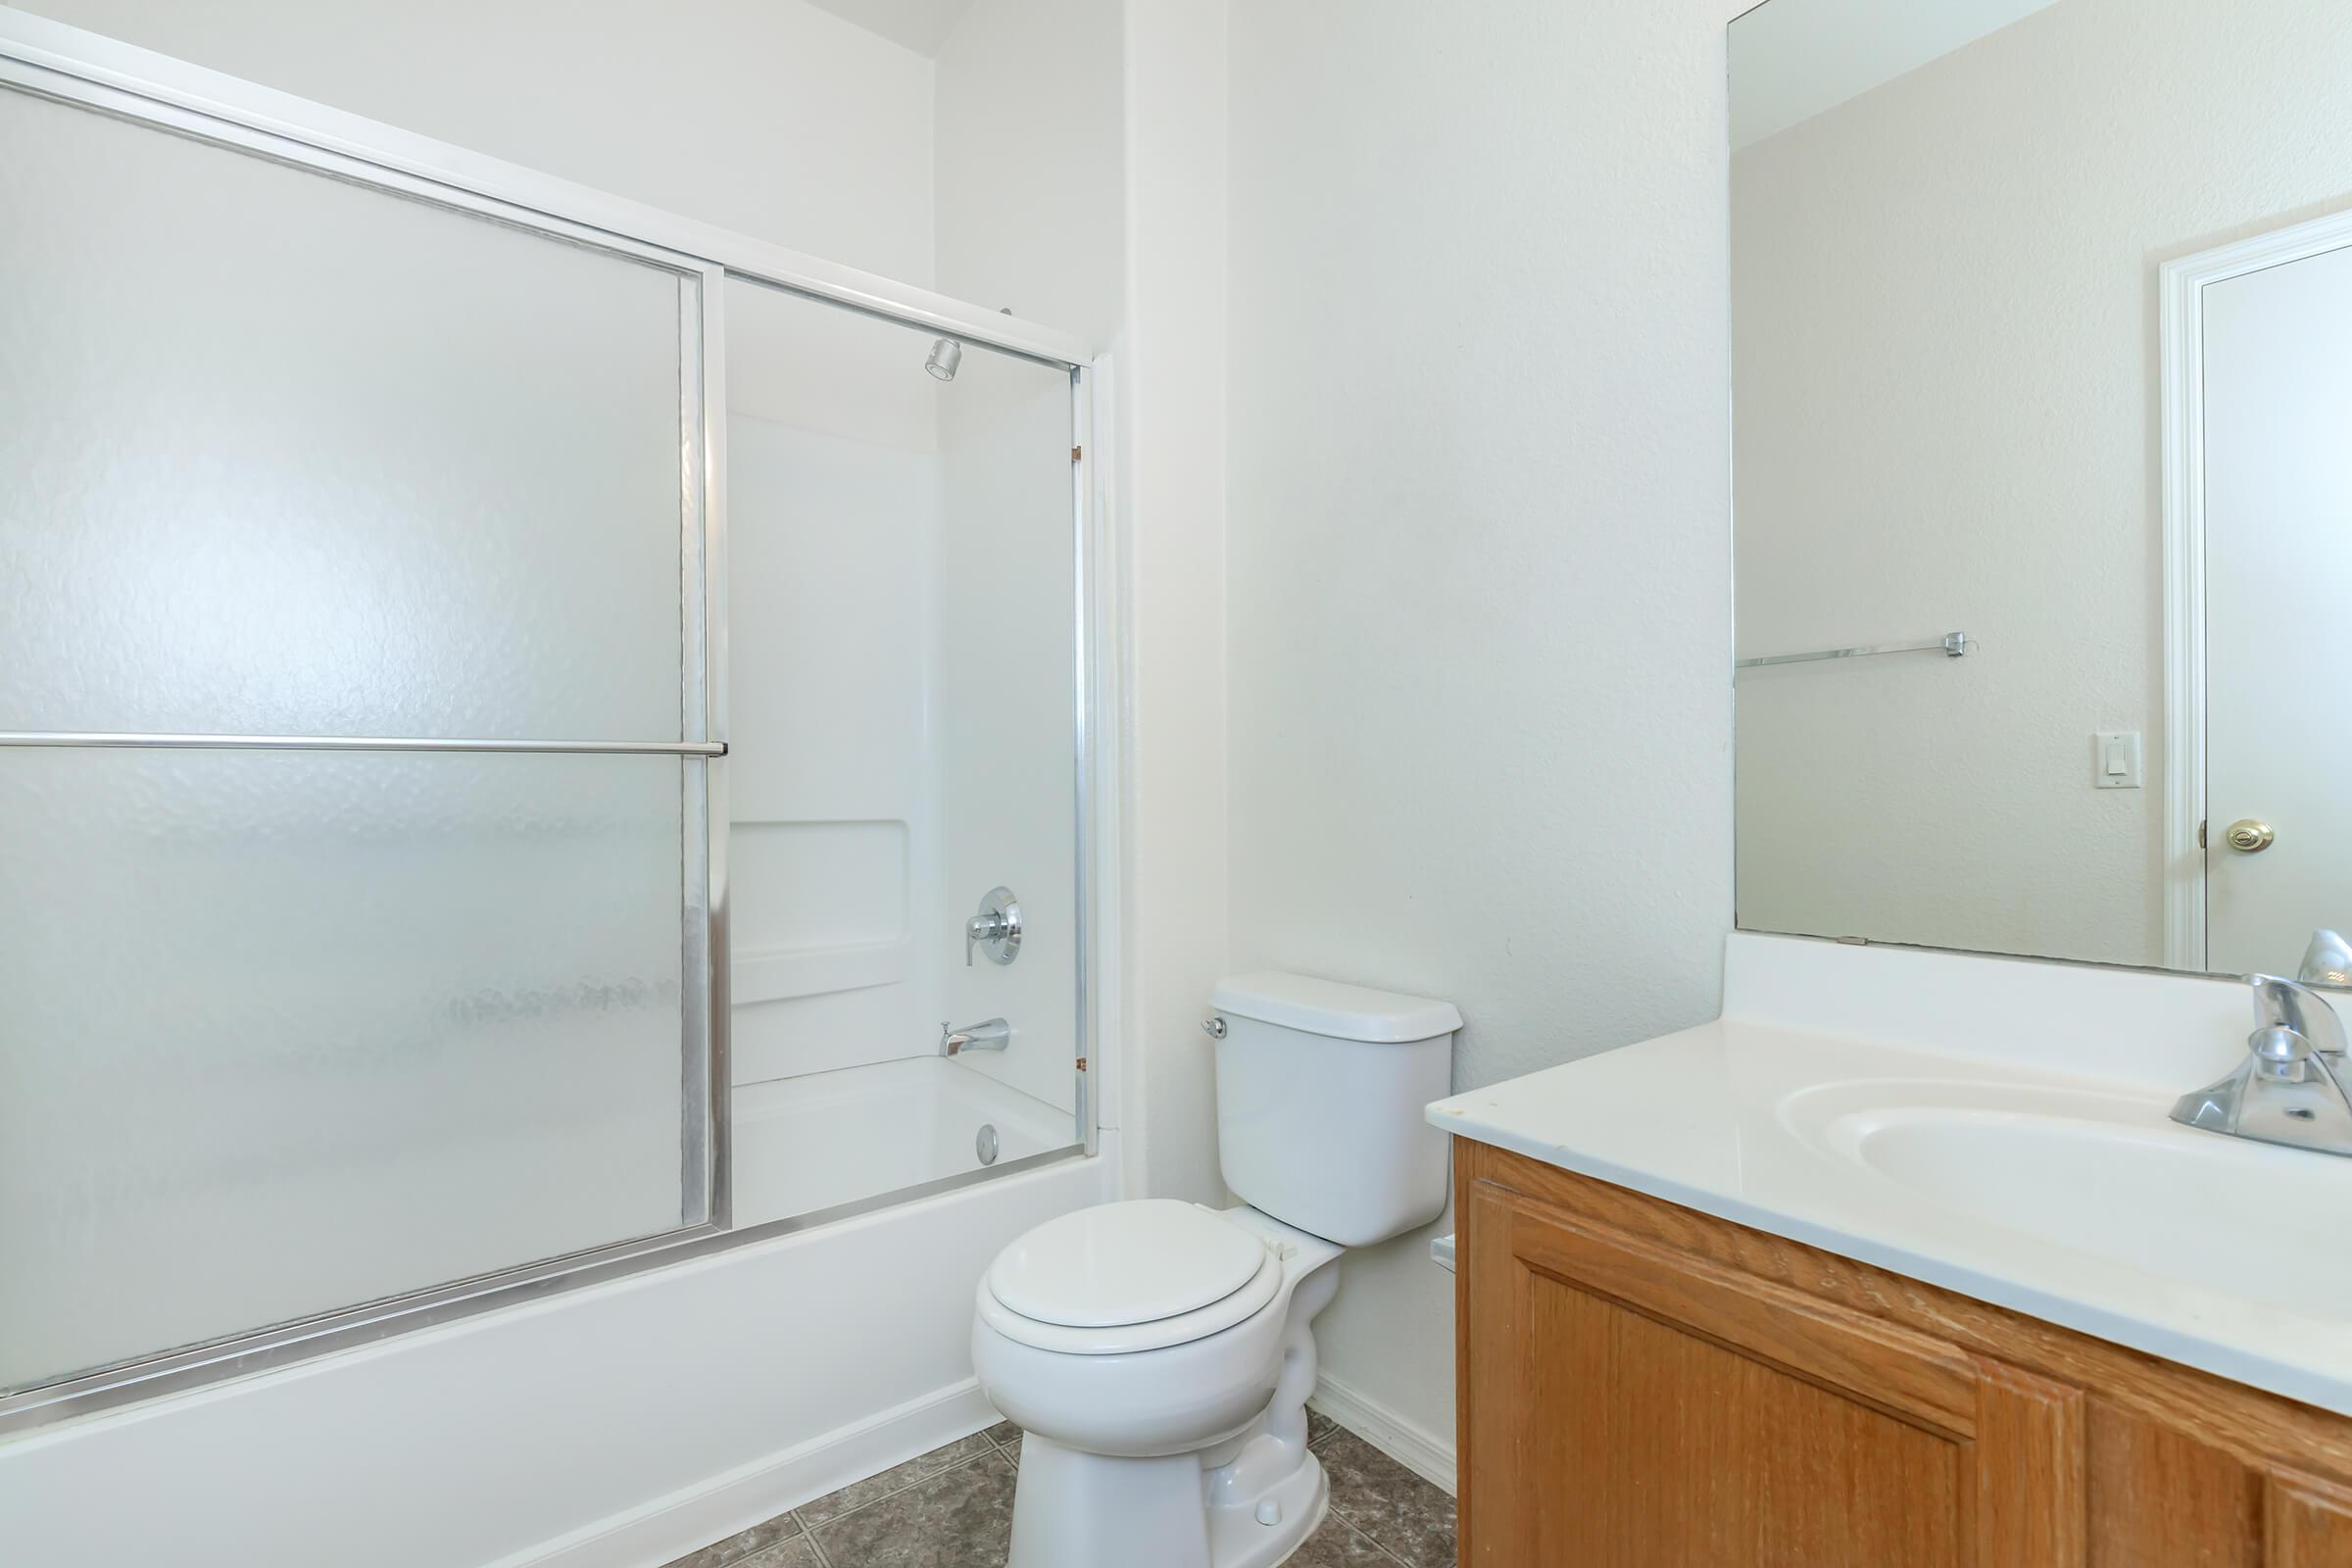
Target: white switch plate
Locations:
point(2115, 759)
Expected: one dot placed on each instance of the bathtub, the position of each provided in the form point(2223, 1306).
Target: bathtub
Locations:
point(829, 1140)
point(654, 1412)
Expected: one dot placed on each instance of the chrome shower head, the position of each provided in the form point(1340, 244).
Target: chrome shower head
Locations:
point(945, 355)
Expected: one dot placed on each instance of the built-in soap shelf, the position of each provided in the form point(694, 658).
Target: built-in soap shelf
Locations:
point(780, 974)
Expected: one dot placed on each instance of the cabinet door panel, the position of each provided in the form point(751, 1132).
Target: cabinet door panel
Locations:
point(2307, 1522)
point(1630, 1406)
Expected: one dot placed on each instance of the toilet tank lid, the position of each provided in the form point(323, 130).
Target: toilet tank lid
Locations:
point(1327, 1007)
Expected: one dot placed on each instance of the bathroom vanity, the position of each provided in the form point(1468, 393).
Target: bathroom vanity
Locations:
point(1724, 1396)
point(1852, 1276)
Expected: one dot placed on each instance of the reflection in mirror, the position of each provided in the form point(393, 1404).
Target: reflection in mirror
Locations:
point(2043, 335)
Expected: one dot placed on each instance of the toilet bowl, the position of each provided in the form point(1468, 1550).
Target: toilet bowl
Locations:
point(1158, 1437)
point(1157, 1354)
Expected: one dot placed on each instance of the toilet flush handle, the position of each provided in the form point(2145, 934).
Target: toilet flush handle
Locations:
point(1213, 1027)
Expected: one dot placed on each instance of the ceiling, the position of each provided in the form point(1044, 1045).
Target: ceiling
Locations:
point(921, 25)
point(1792, 59)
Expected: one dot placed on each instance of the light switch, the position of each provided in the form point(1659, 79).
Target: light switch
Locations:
point(2115, 759)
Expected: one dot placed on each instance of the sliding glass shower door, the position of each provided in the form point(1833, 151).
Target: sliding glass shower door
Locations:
point(355, 936)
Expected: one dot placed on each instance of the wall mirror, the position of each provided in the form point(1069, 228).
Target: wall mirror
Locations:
point(2042, 455)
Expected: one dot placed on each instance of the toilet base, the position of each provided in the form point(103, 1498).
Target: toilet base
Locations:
point(1084, 1510)
point(1237, 1539)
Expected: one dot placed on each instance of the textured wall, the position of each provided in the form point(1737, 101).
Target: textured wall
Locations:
point(1945, 375)
point(1478, 569)
point(1026, 148)
point(768, 116)
point(1169, 574)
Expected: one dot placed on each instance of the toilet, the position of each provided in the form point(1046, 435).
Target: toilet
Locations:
point(1159, 1354)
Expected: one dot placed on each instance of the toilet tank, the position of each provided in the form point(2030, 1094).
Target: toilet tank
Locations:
point(1320, 1090)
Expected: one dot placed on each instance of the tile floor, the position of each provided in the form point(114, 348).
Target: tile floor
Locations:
point(952, 1508)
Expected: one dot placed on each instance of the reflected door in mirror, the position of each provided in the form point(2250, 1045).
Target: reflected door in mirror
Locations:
point(2278, 447)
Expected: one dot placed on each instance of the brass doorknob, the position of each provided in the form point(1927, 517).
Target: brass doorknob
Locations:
point(2248, 836)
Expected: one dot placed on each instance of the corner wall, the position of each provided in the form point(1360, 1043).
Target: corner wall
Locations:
point(1171, 597)
point(1477, 562)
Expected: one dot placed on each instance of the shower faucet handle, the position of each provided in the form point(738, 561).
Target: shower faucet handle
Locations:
point(995, 929)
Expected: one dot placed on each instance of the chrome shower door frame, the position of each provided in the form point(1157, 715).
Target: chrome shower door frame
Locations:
point(50, 60)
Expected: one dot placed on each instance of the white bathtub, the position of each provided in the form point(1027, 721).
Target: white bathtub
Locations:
point(809, 1144)
point(659, 1410)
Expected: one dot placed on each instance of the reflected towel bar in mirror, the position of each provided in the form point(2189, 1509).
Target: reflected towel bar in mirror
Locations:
point(353, 743)
point(1951, 646)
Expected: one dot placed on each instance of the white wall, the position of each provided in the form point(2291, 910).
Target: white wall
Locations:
point(1946, 389)
point(1028, 164)
point(1479, 574)
point(1171, 426)
point(767, 117)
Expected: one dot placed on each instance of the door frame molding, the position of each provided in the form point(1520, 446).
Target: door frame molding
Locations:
point(2180, 351)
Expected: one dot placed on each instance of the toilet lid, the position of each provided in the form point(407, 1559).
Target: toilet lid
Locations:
point(1118, 1264)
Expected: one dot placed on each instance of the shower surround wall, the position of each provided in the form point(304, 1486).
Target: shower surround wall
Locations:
point(1006, 679)
point(833, 582)
point(903, 674)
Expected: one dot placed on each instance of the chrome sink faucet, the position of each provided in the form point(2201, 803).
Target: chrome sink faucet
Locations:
point(2292, 1087)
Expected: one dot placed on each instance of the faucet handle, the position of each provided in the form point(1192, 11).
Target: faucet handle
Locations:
point(2279, 1053)
point(995, 929)
point(2284, 1003)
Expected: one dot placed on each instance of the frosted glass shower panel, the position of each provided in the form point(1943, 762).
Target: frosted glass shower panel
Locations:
point(291, 454)
point(284, 1032)
point(296, 448)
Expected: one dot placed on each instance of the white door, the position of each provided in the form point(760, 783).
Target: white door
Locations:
point(2279, 608)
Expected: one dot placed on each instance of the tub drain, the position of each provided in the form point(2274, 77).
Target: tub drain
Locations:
point(985, 1143)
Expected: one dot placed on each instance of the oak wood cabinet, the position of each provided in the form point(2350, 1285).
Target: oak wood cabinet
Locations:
point(1647, 1387)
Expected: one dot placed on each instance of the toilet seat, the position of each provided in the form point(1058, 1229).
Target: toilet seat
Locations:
point(1119, 1278)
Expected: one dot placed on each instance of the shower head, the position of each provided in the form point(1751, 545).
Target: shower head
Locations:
point(945, 355)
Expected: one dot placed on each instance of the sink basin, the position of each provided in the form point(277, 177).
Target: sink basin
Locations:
point(2104, 1176)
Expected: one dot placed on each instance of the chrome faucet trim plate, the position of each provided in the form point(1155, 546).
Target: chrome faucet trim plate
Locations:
point(995, 930)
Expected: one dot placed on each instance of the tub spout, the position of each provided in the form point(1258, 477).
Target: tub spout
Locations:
point(993, 1035)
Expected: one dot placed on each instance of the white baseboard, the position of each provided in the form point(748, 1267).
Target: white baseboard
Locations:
point(1424, 1453)
point(693, 1516)
point(713, 1509)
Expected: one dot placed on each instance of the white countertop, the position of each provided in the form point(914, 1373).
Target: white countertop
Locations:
point(1760, 1123)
